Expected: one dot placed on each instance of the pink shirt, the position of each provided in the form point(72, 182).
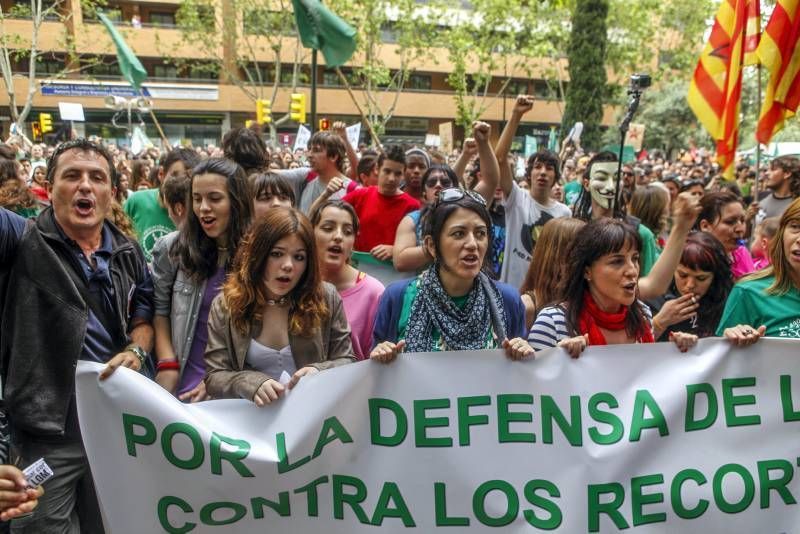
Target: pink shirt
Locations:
point(741, 262)
point(360, 307)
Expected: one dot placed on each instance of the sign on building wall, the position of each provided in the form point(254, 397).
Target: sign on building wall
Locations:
point(162, 91)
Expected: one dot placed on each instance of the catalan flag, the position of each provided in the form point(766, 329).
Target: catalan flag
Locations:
point(716, 88)
point(779, 53)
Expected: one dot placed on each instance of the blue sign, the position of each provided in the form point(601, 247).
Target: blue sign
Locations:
point(82, 89)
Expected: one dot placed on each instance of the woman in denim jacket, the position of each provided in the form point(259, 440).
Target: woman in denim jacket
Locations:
point(189, 268)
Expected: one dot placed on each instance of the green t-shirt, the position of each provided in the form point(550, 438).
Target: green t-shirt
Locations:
point(750, 304)
point(649, 254)
point(405, 312)
point(572, 191)
point(150, 220)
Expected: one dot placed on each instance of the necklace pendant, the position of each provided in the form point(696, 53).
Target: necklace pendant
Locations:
point(280, 302)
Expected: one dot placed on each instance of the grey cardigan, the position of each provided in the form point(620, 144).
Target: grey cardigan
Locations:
point(176, 296)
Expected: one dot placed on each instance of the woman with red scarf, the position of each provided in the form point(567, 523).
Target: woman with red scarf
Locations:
point(600, 305)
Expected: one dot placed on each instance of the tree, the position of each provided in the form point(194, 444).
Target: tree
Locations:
point(231, 41)
point(401, 28)
point(669, 122)
point(19, 49)
point(587, 72)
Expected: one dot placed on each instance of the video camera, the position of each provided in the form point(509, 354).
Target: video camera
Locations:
point(640, 82)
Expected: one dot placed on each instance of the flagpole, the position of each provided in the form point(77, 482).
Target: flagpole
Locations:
point(313, 90)
point(758, 143)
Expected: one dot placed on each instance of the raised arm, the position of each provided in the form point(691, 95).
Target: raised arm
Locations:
point(468, 151)
point(408, 255)
point(490, 169)
point(656, 283)
point(341, 130)
point(523, 105)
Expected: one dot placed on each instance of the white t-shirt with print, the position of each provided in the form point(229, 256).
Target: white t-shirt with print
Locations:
point(524, 221)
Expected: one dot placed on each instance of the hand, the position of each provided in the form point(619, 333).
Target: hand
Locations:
point(270, 390)
point(574, 345)
point(752, 211)
point(387, 351)
point(15, 497)
point(168, 379)
point(676, 310)
point(196, 394)
point(683, 341)
point(340, 129)
point(480, 131)
point(517, 348)
point(334, 185)
point(383, 252)
point(744, 335)
point(123, 359)
point(300, 373)
point(470, 147)
point(523, 105)
point(685, 209)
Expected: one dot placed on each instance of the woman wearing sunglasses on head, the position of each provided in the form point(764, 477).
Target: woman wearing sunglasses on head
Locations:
point(410, 254)
point(452, 305)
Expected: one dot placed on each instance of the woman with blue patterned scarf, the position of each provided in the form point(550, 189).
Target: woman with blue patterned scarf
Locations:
point(454, 304)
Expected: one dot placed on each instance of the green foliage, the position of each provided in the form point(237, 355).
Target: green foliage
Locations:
point(587, 55)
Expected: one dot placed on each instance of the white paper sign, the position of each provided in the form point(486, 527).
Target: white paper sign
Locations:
point(354, 134)
point(303, 136)
point(71, 111)
point(640, 438)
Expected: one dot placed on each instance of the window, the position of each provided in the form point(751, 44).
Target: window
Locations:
point(517, 87)
point(331, 78)
point(102, 69)
point(165, 71)
point(162, 18)
point(419, 82)
point(50, 66)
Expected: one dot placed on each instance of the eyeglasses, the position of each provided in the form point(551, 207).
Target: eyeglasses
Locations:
point(439, 179)
point(455, 194)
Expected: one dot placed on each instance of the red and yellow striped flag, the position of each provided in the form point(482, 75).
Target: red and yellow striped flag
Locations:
point(716, 88)
point(779, 53)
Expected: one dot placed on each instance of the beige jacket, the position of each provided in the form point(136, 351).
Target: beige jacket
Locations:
point(227, 374)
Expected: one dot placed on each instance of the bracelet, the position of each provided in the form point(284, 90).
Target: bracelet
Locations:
point(168, 365)
point(138, 352)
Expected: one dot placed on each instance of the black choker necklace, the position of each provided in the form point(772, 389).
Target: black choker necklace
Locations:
point(280, 302)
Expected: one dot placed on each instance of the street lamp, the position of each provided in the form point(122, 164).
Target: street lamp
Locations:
point(128, 106)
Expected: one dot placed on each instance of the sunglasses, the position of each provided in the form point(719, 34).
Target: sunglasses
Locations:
point(455, 194)
point(439, 179)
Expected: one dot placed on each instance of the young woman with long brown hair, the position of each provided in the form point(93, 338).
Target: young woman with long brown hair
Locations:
point(275, 314)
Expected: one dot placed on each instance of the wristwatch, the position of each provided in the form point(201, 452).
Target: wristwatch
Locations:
point(139, 352)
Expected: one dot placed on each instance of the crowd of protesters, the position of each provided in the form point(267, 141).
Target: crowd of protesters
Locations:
point(218, 271)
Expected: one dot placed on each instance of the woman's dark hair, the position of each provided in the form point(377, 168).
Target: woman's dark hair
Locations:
point(583, 205)
point(648, 204)
point(139, 173)
point(316, 215)
point(246, 148)
point(704, 252)
point(439, 213)
point(196, 251)
point(598, 238)
point(712, 204)
point(245, 291)
point(270, 183)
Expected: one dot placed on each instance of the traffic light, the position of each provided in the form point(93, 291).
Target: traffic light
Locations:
point(46, 122)
point(36, 130)
point(263, 111)
point(297, 108)
point(324, 124)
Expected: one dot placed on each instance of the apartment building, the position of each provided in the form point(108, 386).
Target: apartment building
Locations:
point(193, 105)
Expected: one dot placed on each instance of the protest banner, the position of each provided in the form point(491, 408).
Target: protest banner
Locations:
point(638, 437)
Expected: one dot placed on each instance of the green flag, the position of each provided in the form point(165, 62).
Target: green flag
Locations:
point(322, 30)
point(129, 64)
point(552, 140)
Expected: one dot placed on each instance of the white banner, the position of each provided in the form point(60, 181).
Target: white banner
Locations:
point(302, 138)
point(640, 437)
point(354, 134)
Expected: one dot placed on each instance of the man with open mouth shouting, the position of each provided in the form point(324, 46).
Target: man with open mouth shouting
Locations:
point(75, 288)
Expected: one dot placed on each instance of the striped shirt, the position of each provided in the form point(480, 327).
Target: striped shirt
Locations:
point(550, 326)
